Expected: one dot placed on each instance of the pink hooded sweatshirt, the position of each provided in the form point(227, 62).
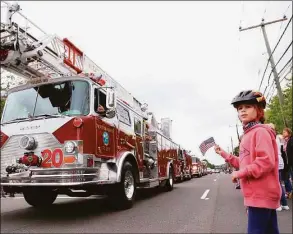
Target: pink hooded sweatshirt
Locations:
point(258, 167)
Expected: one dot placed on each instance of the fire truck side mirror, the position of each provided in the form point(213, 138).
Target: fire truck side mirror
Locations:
point(110, 113)
point(111, 99)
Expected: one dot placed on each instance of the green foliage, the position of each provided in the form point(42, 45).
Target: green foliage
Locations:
point(236, 151)
point(212, 166)
point(1, 107)
point(273, 113)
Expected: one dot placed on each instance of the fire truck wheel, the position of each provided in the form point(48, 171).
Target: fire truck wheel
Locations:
point(170, 181)
point(39, 197)
point(122, 195)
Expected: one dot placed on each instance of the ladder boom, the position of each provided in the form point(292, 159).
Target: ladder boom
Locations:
point(29, 56)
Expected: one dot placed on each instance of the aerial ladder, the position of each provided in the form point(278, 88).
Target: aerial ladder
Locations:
point(31, 57)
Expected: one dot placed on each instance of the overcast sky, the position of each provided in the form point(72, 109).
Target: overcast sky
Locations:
point(187, 60)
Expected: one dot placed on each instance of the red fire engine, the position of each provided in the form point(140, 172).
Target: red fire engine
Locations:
point(196, 167)
point(73, 127)
point(204, 167)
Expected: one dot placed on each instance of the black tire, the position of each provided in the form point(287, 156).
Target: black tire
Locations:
point(117, 194)
point(170, 182)
point(39, 197)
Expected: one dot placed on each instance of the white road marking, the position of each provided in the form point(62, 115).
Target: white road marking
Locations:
point(205, 194)
point(207, 198)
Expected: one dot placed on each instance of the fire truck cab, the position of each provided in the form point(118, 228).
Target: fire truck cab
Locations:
point(73, 133)
point(184, 165)
point(196, 167)
point(188, 166)
point(204, 167)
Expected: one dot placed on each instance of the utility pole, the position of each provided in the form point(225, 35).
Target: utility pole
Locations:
point(271, 59)
point(232, 145)
point(236, 131)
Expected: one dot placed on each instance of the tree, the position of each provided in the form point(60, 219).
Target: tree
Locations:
point(212, 166)
point(273, 113)
point(236, 151)
point(8, 80)
point(2, 106)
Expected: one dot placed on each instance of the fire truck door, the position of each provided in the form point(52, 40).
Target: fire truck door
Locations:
point(105, 131)
point(151, 152)
point(153, 155)
point(138, 130)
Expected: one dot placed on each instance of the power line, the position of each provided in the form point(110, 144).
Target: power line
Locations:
point(279, 61)
point(285, 66)
point(274, 51)
point(284, 78)
point(278, 75)
point(272, 95)
point(283, 21)
point(272, 85)
point(276, 66)
point(273, 91)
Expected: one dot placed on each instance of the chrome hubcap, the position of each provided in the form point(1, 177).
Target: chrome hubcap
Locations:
point(129, 184)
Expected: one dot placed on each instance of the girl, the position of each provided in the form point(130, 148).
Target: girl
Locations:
point(258, 164)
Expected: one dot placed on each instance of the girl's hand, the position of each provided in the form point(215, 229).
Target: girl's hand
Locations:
point(234, 177)
point(217, 149)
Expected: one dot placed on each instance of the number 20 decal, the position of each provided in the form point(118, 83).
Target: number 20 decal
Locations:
point(50, 158)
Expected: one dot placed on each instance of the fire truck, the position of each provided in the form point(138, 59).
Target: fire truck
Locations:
point(196, 167)
point(204, 167)
point(72, 129)
point(186, 166)
point(183, 165)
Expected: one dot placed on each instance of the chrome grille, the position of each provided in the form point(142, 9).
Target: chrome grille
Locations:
point(11, 150)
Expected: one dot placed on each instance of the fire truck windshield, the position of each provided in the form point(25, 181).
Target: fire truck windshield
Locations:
point(67, 98)
point(194, 160)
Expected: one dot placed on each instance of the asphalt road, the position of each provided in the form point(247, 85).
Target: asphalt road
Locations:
point(202, 205)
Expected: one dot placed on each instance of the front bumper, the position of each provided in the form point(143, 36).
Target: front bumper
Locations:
point(55, 177)
point(195, 172)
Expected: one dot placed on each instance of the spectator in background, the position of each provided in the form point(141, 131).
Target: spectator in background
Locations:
point(279, 140)
point(288, 151)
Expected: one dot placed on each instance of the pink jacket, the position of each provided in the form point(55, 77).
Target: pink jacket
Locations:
point(258, 167)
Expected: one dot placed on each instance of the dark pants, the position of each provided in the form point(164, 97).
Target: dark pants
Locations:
point(262, 221)
point(287, 173)
point(283, 198)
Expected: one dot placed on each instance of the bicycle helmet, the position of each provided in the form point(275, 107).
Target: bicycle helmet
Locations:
point(249, 97)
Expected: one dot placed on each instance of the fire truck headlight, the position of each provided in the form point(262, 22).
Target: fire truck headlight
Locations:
point(69, 147)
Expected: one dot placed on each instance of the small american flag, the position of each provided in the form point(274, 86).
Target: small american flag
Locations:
point(204, 146)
